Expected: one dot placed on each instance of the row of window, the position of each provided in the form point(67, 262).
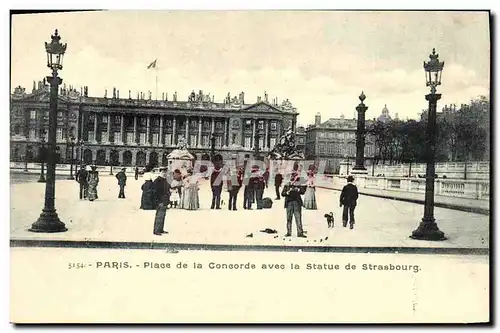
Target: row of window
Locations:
point(337, 135)
point(156, 121)
point(335, 149)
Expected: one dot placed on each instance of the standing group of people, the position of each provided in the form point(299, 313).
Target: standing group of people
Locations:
point(88, 180)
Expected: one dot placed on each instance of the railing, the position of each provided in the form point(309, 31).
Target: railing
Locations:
point(471, 189)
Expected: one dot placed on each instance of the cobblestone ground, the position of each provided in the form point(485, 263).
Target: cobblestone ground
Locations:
point(379, 222)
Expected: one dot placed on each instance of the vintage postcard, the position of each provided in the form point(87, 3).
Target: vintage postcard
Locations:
point(250, 167)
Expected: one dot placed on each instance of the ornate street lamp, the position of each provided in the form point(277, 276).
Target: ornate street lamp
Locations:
point(82, 146)
point(360, 137)
point(43, 155)
point(72, 145)
point(428, 229)
point(48, 220)
point(212, 145)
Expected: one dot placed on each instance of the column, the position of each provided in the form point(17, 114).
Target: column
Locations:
point(161, 132)
point(213, 125)
point(253, 132)
point(174, 134)
point(120, 157)
point(95, 127)
point(109, 127)
point(122, 129)
point(226, 133)
point(242, 132)
point(135, 130)
point(148, 130)
point(186, 135)
point(200, 121)
point(266, 126)
point(108, 154)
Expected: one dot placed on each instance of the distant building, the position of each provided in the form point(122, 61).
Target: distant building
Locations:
point(334, 141)
point(136, 131)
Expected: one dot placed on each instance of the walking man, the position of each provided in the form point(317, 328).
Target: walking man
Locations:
point(216, 185)
point(278, 179)
point(136, 173)
point(162, 199)
point(122, 182)
point(348, 198)
point(293, 204)
point(82, 177)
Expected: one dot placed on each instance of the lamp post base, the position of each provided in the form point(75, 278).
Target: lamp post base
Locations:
point(428, 230)
point(48, 222)
point(41, 179)
point(359, 170)
point(70, 178)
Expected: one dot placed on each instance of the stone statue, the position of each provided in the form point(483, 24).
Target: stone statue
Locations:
point(175, 97)
point(105, 93)
point(192, 97)
point(181, 144)
point(265, 97)
point(285, 146)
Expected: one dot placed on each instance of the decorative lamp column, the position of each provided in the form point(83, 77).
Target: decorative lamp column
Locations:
point(43, 156)
point(360, 137)
point(48, 220)
point(72, 152)
point(428, 229)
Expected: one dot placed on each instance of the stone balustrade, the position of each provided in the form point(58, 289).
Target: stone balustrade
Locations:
point(455, 170)
point(471, 189)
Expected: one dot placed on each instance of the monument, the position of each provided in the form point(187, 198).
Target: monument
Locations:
point(180, 158)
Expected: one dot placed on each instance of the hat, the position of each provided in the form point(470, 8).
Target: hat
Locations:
point(350, 179)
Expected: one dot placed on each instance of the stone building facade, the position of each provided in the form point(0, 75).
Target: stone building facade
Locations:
point(334, 141)
point(137, 131)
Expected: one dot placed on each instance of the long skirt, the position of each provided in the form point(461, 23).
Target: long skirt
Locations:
point(310, 198)
point(92, 191)
point(191, 200)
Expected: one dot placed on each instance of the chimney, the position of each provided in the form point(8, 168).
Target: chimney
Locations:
point(129, 95)
point(34, 87)
point(162, 96)
point(317, 119)
point(118, 93)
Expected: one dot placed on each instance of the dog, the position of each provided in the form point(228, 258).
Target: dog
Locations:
point(330, 220)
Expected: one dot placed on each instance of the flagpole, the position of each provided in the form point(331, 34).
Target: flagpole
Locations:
point(156, 72)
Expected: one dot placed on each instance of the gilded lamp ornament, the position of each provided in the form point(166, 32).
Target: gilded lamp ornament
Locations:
point(433, 71)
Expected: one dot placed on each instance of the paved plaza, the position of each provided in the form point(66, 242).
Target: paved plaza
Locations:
point(379, 222)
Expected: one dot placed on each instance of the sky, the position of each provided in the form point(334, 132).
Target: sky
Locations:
point(319, 60)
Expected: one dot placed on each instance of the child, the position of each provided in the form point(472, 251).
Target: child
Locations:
point(174, 193)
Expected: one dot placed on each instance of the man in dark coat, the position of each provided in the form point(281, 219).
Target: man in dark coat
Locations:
point(348, 199)
point(136, 172)
point(278, 179)
point(259, 184)
point(162, 199)
point(216, 185)
point(233, 185)
point(82, 177)
point(122, 182)
point(292, 192)
point(162, 188)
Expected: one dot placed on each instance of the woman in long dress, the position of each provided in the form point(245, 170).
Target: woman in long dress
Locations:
point(148, 192)
point(191, 199)
point(310, 195)
point(93, 181)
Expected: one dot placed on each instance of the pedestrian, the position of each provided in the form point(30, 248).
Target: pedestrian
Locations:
point(148, 191)
point(82, 178)
point(162, 188)
point(259, 187)
point(310, 195)
point(266, 176)
point(278, 179)
point(162, 192)
point(190, 194)
point(93, 181)
point(348, 199)
point(249, 192)
point(122, 182)
point(136, 172)
point(233, 187)
point(216, 186)
point(292, 192)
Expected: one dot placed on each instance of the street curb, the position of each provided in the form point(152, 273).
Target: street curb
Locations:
point(476, 210)
point(221, 247)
